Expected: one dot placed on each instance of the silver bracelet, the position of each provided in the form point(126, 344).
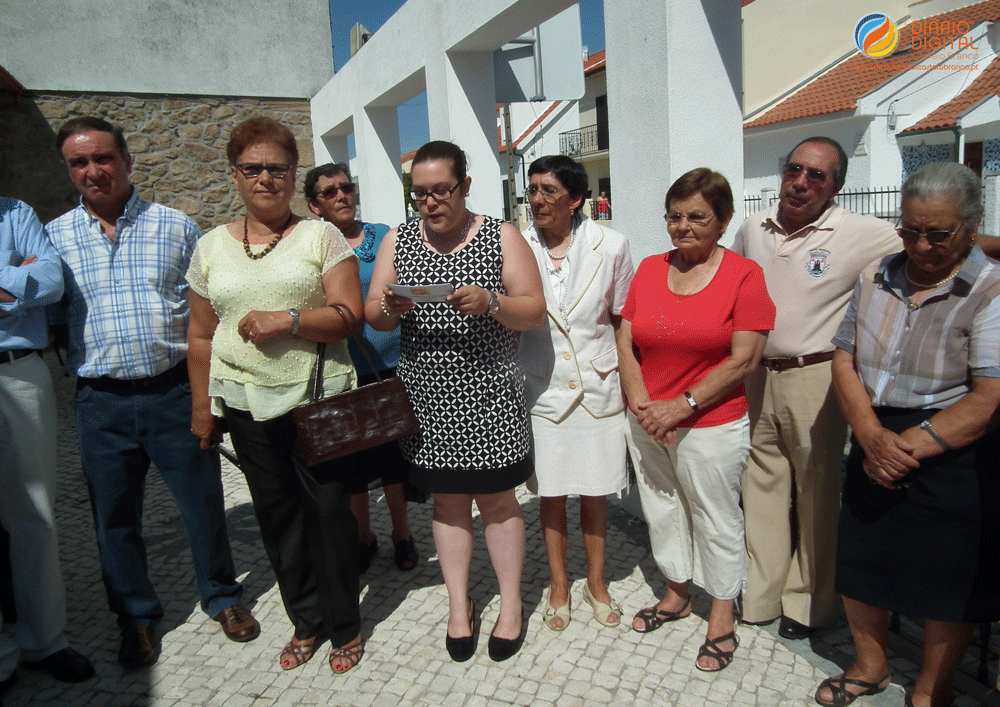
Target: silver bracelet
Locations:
point(295, 317)
point(926, 425)
point(384, 310)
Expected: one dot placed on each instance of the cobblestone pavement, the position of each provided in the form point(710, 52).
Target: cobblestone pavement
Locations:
point(404, 626)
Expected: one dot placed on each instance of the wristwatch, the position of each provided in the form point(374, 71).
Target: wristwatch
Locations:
point(295, 318)
point(494, 303)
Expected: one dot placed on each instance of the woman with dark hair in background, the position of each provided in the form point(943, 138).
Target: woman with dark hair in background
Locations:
point(459, 364)
point(331, 195)
point(571, 367)
point(262, 290)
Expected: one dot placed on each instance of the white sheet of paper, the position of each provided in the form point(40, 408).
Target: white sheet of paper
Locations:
point(423, 293)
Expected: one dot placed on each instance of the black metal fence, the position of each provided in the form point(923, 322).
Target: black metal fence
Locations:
point(882, 203)
point(574, 143)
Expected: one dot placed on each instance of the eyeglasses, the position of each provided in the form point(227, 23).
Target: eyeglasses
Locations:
point(549, 194)
point(438, 194)
point(252, 170)
point(936, 237)
point(332, 190)
point(815, 177)
point(694, 219)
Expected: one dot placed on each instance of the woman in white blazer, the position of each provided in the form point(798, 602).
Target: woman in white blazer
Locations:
point(572, 384)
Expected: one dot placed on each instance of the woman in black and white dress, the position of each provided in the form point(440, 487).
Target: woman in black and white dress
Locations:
point(459, 363)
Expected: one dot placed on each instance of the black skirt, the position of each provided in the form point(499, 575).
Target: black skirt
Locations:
point(929, 550)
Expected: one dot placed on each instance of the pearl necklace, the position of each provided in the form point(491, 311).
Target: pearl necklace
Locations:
point(462, 234)
point(270, 246)
point(906, 274)
point(572, 237)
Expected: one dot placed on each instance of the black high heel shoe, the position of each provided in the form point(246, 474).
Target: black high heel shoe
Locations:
point(461, 649)
point(503, 648)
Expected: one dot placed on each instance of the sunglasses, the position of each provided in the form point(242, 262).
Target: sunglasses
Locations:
point(332, 191)
point(251, 170)
point(815, 177)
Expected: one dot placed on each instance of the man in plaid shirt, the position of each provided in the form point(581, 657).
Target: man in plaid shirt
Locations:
point(126, 310)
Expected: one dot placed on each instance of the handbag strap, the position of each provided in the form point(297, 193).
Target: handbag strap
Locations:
point(352, 326)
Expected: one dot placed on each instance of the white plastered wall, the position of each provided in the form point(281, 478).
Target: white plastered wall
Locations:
point(265, 48)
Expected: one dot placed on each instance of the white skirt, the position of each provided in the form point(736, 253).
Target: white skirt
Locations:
point(582, 455)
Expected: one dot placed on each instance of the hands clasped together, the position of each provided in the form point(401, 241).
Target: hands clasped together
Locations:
point(889, 456)
point(660, 417)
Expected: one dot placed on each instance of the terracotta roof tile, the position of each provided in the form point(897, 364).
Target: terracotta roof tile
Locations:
point(838, 89)
point(946, 115)
point(593, 63)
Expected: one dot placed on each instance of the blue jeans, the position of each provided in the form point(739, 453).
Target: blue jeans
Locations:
point(119, 435)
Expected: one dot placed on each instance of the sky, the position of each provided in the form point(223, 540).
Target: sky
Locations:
point(344, 14)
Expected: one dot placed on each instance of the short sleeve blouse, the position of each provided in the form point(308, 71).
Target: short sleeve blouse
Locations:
point(682, 338)
point(268, 379)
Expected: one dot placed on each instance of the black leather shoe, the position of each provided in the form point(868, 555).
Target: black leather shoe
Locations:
point(8, 683)
point(66, 666)
point(503, 648)
point(793, 630)
point(138, 647)
point(461, 649)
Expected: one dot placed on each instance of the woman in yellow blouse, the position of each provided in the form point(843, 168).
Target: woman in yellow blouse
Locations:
point(261, 294)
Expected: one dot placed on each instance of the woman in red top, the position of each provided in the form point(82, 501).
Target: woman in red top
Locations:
point(694, 325)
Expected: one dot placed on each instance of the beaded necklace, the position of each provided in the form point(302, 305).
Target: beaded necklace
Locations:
point(270, 246)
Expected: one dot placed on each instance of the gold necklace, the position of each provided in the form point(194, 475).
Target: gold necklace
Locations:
point(270, 246)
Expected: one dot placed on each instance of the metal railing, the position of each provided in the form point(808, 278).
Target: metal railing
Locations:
point(882, 202)
point(574, 143)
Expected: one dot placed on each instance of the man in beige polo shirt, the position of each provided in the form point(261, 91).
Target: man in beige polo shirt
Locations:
point(811, 251)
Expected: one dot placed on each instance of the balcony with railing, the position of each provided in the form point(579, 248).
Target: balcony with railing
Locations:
point(576, 143)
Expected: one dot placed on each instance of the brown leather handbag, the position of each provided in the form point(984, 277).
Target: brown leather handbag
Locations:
point(356, 419)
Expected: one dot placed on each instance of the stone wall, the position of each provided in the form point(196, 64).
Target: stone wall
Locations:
point(178, 144)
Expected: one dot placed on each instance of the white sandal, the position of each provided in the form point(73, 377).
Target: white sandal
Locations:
point(551, 612)
point(602, 610)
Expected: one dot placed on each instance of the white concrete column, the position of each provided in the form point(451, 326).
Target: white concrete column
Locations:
point(674, 72)
point(376, 136)
point(461, 108)
point(991, 193)
point(334, 149)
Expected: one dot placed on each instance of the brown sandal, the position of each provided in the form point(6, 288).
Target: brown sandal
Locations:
point(346, 657)
point(295, 654)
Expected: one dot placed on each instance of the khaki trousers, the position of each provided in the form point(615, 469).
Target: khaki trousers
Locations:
point(797, 443)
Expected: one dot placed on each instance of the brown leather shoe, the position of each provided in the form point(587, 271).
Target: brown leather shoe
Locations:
point(138, 647)
point(238, 624)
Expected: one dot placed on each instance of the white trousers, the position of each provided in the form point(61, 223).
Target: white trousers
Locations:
point(27, 494)
point(690, 495)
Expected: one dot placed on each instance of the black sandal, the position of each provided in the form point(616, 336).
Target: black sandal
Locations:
point(842, 696)
point(652, 618)
point(406, 554)
point(710, 648)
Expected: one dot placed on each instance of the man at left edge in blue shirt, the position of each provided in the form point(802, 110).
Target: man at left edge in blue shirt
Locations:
point(30, 278)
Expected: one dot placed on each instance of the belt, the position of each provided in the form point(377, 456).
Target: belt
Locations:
point(14, 355)
point(169, 378)
point(783, 364)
